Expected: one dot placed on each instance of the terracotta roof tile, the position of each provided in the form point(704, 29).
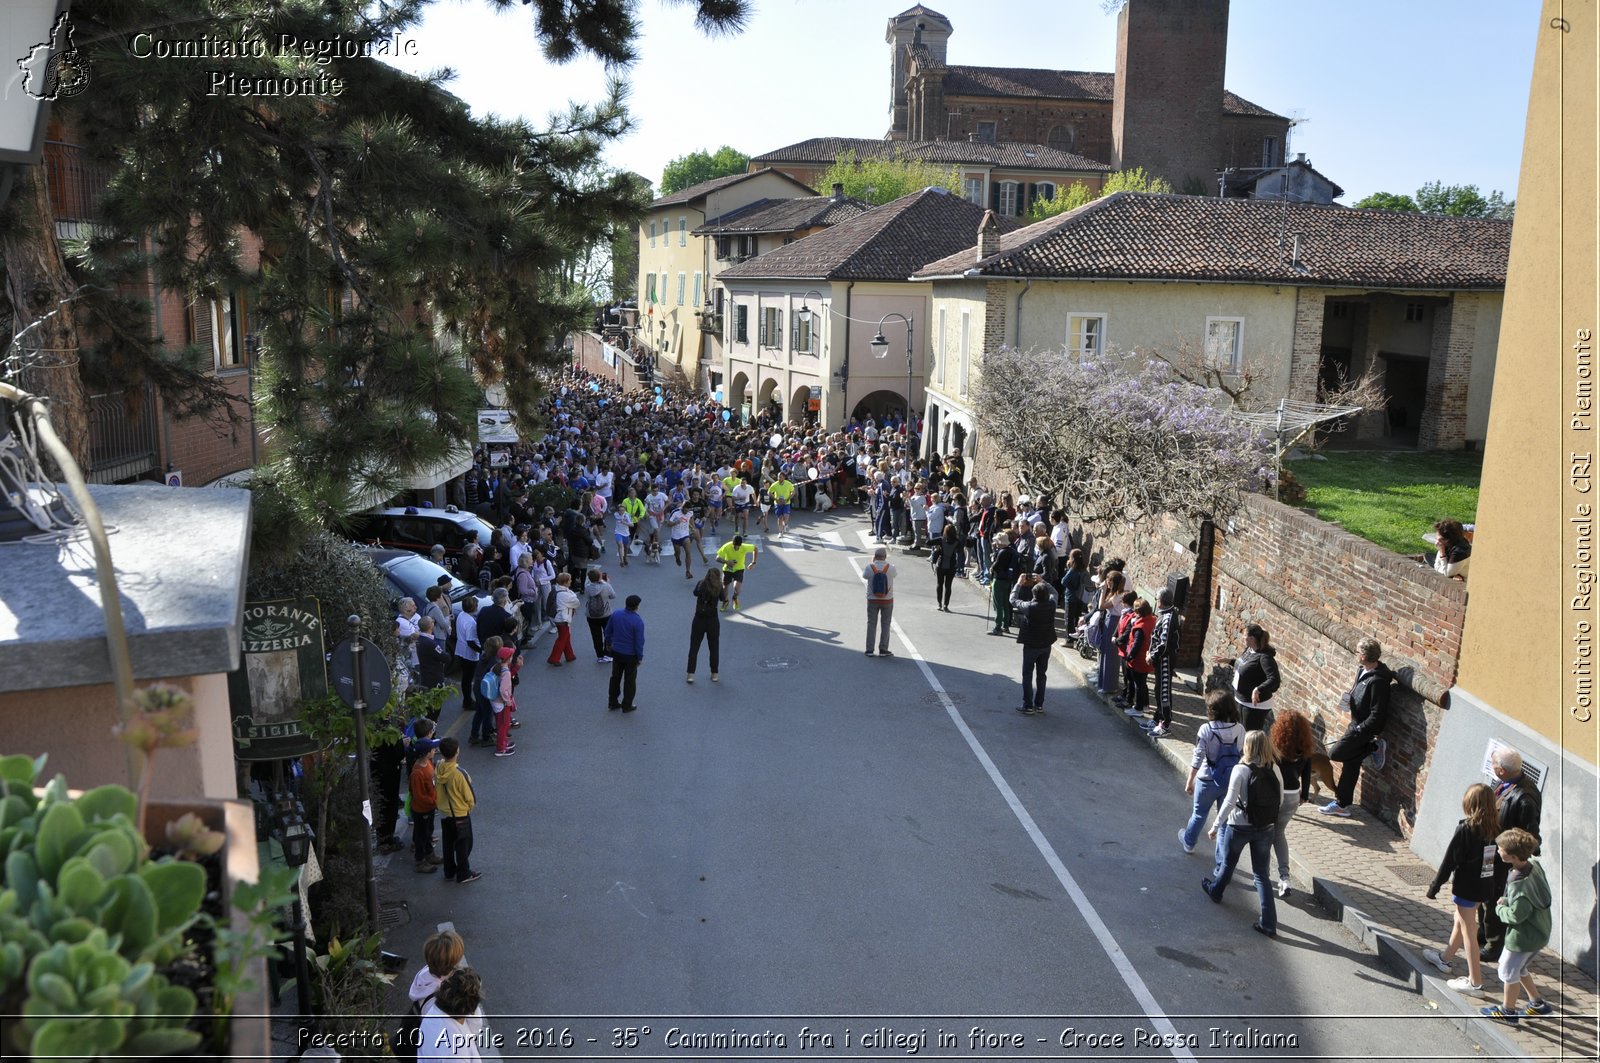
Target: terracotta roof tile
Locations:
point(1058, 85)
point(886, 243)
point(1009, 155)
point(785, 215)
point(1141, 236)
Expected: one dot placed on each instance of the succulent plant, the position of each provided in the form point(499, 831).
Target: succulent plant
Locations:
point(192, 839)
point(86, 918)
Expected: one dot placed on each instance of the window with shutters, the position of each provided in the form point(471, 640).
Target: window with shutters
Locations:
point(1086, 334)
point(696, 301)
point(966, 348)
point(800, 333)
point(681, 281)
point(936, 355)
point(1044, 190)
point(224, 326)
point(1225, 343)
point(741, 323)
point(771, 327)
point(1008, 199)
point(974, 190)
point(652, 234)
point(683, 231)
point(649, 287)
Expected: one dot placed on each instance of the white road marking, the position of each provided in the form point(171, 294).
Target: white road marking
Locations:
point(1114, 952)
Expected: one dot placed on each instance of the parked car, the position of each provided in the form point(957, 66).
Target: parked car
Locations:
point(410, 576)
point(418, 529)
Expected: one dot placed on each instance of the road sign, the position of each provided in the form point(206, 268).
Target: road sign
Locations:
point(374, 675)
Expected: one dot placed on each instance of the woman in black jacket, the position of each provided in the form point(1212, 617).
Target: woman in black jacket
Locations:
point(1255, 677)
point(1003, 573)
point(945, 556)
point(1469, 864)
point(706, 626)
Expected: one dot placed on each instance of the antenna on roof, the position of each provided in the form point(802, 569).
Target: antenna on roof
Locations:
point(1297, 117)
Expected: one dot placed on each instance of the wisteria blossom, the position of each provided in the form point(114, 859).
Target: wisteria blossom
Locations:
point(1117, 442)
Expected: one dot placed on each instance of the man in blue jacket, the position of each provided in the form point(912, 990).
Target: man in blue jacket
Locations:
point(625, 636)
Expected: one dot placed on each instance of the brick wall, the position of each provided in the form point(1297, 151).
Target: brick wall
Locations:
point(1444, 416)
point(205, 450)
point(587, 351)
point(1167, 112)
point(995, 297)
point(1317, 590)
point(1305, 359)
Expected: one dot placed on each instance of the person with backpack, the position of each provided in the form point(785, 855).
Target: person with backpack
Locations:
point(485, 688)
point(1217, 749)
point(503, 703)
point(1249, 819)
point(879, 576)
point(597, 598)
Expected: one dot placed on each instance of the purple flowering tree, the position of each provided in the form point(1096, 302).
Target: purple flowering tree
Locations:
point(1117, 443)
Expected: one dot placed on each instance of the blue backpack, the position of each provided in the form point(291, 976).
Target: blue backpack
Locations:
point(489, 687)
point(1228, 754)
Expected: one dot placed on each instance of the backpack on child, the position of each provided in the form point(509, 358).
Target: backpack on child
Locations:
point(489, 686)
point(1263, 796)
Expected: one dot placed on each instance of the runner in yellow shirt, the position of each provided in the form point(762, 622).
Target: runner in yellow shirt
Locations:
point(782, 497)
point(736, 558)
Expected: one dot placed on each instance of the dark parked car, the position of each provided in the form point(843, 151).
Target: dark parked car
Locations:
point(418, 529)
point(410, 576)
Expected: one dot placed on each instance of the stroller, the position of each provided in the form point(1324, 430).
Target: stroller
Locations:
point(1079, 638)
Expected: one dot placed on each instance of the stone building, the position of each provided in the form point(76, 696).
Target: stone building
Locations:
point(1164, 107)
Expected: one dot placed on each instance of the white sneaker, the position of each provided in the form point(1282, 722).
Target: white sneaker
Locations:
point(1186, 846)
point(1283, 887)
point(1437, 961)
point(1159, 732)
point(1132, 711)
point(1463, 984)
point(690, 679)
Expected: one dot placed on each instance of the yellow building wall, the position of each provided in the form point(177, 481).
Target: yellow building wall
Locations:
point(667, 321)
point(1533, 561)
point(952, 299)
point(1144, 317)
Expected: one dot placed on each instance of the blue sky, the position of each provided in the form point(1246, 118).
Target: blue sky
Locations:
point(1394, 93)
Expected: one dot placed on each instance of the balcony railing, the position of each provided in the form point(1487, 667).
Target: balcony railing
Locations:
point(76, 187)
point(124, 436)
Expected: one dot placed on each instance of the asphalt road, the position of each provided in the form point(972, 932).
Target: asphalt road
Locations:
point(828, 842)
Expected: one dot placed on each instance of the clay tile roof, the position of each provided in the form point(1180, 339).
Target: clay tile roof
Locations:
point(1058, 85)
point(886, 243)
point(785, 215)
point(1167, 237)
point(694, 192)
point(1009, 155)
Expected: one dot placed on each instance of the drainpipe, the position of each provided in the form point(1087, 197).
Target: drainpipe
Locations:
point(1021, 296)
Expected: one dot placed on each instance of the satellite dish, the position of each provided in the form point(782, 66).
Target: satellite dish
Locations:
point(495, 395)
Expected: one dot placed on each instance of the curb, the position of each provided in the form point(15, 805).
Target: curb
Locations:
point(1460, 1011)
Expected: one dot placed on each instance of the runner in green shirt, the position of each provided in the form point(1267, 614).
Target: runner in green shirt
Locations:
point(736, 558)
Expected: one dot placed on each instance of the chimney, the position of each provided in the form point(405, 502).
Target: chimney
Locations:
point(838, 191)
point(988, 236)
point(1300, 157)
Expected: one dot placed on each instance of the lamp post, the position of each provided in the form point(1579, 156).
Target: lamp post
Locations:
point(880, 349)
point(295, 835)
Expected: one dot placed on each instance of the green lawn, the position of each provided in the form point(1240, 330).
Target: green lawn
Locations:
point(1391, 497)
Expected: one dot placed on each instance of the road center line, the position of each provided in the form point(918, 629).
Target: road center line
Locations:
point(1119, 959)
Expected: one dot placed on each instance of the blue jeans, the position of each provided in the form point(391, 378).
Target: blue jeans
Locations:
point(1035, 661)
point(482, 717)
point(1231, 841)
point(1207, 793)
point(983, 557)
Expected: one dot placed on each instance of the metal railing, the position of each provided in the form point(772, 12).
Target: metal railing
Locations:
point(76, 185)
point(124, 436)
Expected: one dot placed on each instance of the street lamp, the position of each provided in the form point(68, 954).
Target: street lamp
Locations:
point(295, 835)
point(880, 349)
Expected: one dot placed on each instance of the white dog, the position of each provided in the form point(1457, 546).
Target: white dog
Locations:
point(823, 502)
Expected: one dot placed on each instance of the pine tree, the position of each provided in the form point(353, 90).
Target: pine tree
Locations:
point(393, 226)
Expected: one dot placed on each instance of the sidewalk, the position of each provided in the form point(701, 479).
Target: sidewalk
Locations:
point(1363, 872)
